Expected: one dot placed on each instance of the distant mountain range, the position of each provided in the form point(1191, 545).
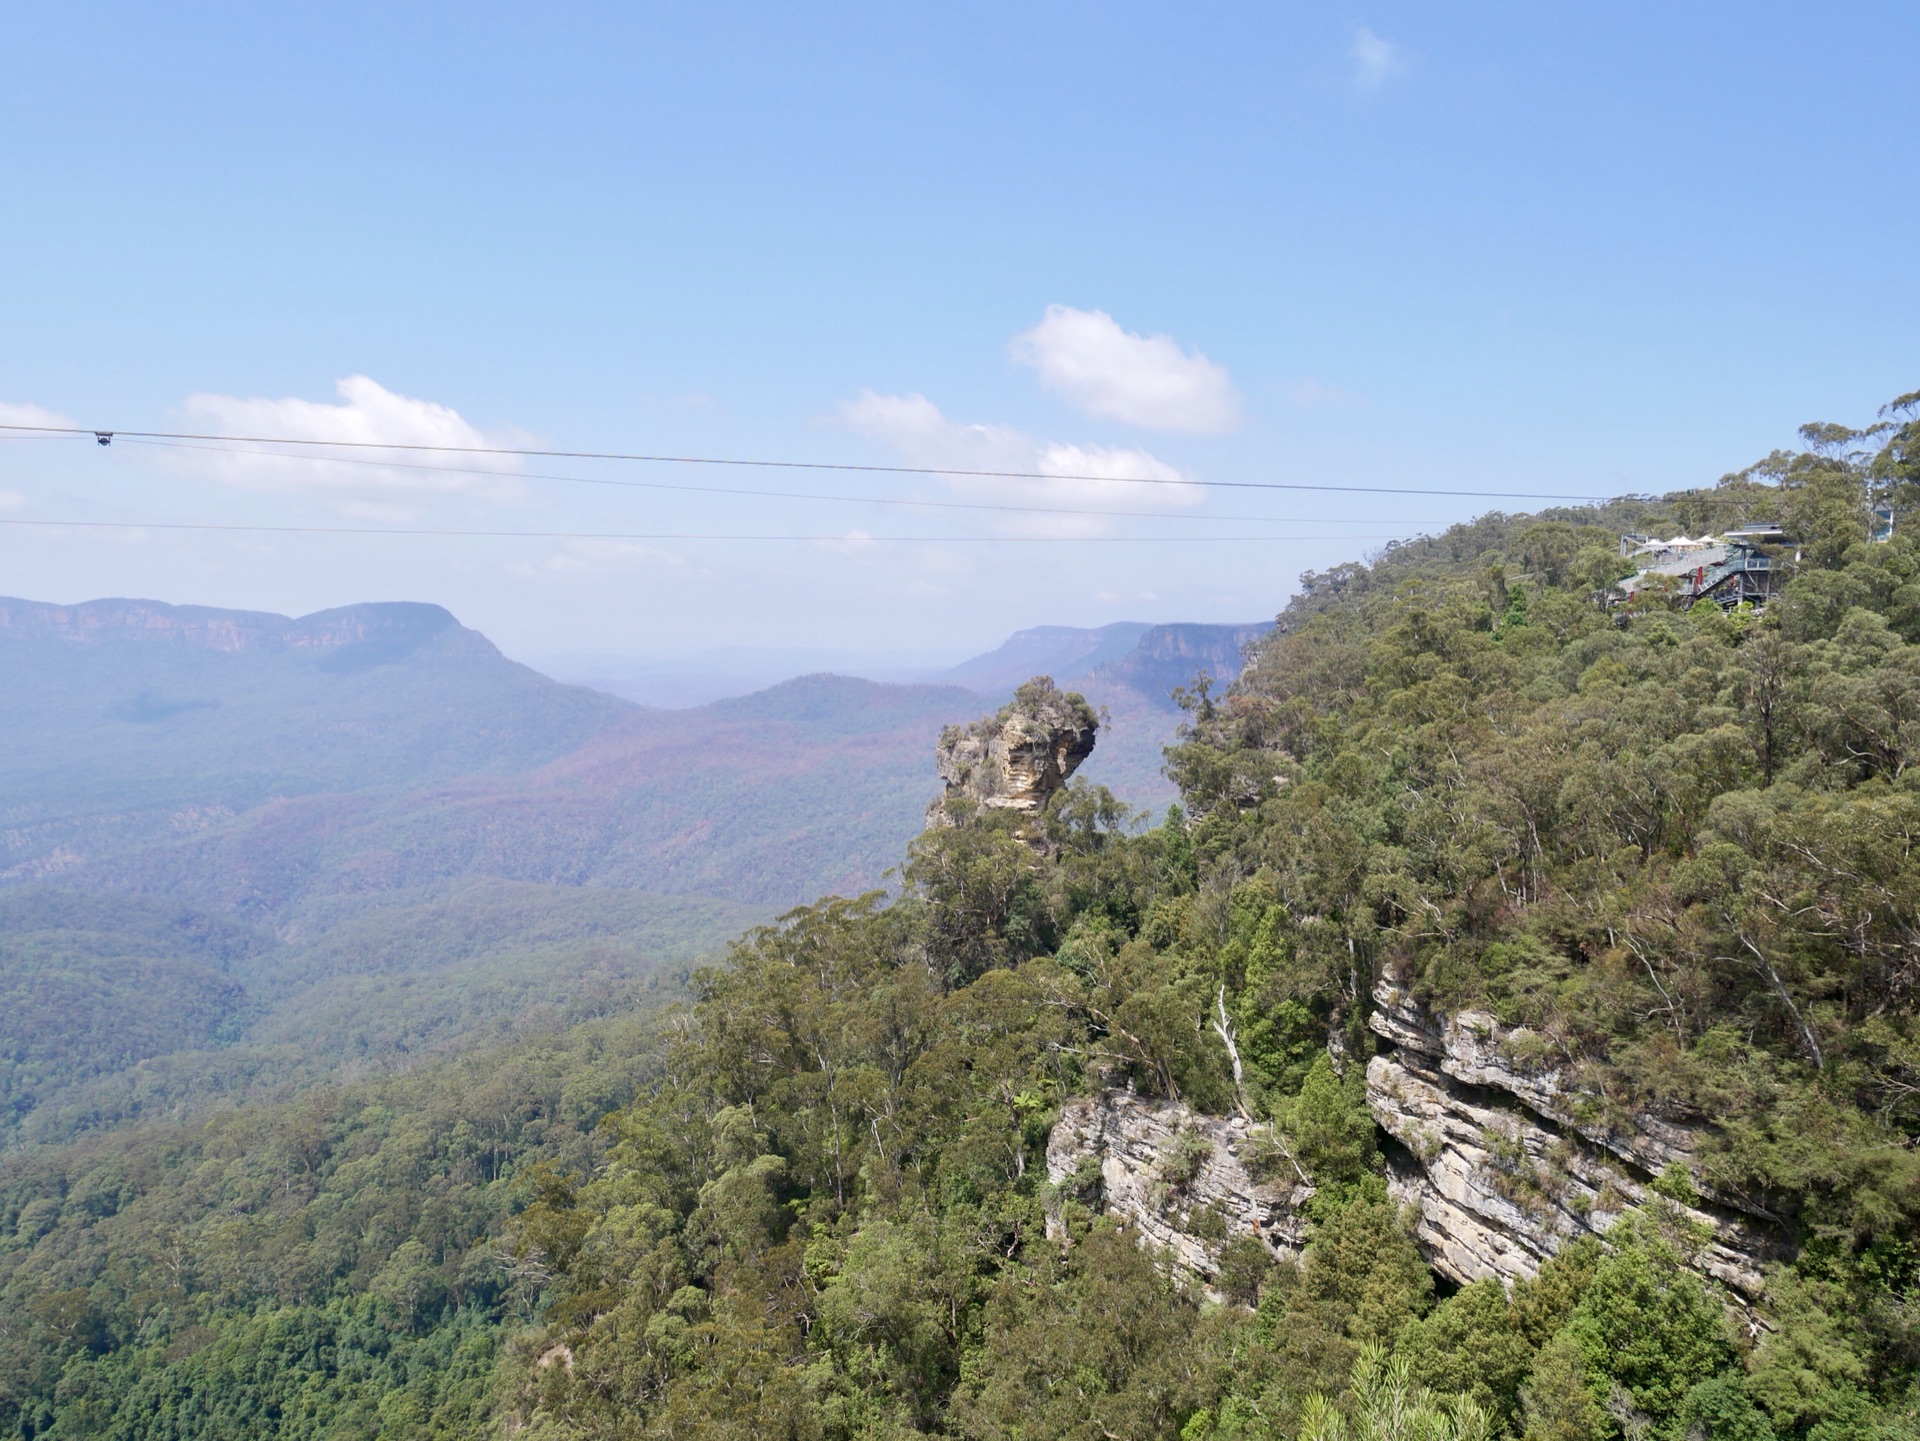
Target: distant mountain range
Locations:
point(1130, 668)
point(1067, 653)
point(239, 850)
point(129, 721)
point(683, 681)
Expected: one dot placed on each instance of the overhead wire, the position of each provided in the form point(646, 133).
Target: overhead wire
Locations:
point(105, 436)
point(843, 538)
point(623, 483)
point(288, 448)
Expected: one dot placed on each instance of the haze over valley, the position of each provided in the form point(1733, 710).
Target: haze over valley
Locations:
point(246, 853)
point(959, 723)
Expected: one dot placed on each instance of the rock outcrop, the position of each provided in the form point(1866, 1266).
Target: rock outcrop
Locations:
point(1017, 758)
point(1187, 1182)
point(1501, 1155)
point(1505, 1160)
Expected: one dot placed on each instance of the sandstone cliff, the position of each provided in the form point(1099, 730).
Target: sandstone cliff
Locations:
point(394, 626)
point(1185, 1181)
point(1018, 758)
point(1501, 1158)
point(1505, 1160)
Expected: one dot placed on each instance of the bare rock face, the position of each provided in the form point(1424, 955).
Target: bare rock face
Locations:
point(1180, 1178)
point(1505, 1161)
point(1018, 758)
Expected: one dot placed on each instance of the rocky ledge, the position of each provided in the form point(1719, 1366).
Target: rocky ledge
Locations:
point(1505, 1161)
point(1018, 758)
point(1498, 1152)
point(1187, 1182)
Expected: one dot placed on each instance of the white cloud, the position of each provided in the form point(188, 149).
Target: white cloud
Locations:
point(587, 555)
point(1375, 61)
point(25, 413)
point(1144, 380)
point(1311, 394)
point(913, 428)
point(30, 414)
point(370, 483)
point(852, 543)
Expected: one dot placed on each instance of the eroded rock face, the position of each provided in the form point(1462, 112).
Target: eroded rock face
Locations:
point(1018, 758)
point(1505, 1161)
point(1180, 1178)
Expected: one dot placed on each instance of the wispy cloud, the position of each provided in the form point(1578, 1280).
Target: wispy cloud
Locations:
point(1150, 381)
point(694, 401)
point(1375, 61)
point(29, 414)
point(25, 413)
point(587, 556)
point(371, 482)
point(851, 543)
point(1310, 394)
point(913, 428)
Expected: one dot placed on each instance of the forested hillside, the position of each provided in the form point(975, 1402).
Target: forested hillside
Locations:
point(763, 799)
point(1672, 850)
point(1675, 844)
point(249, 853)
point(122, 1008)
point(129, 721)
point(324, 1267)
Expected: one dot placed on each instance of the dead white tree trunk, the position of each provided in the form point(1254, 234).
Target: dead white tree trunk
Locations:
point(1224, 1029)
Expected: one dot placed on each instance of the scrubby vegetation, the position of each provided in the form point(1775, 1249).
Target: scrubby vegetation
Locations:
point(1677, 846)
point(325, 1267)
point(120, 1008)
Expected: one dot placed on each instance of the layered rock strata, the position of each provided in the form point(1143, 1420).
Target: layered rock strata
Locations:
point(1501, 1157)
point(1504, 1160)
point(1187, 1182)
point(1018, 758)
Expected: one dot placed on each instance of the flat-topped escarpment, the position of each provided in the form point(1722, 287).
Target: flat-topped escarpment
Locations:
point(216, 629)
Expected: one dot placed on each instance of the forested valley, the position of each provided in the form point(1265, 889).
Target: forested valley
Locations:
point(1676, 847)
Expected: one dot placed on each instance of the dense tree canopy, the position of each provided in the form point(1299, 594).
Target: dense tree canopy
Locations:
point(1678, 845)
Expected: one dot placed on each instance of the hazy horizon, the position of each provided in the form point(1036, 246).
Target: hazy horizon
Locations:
point(546, 901)
point(1519, 254)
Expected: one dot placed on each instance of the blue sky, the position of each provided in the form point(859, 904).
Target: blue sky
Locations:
point(1580, 250)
